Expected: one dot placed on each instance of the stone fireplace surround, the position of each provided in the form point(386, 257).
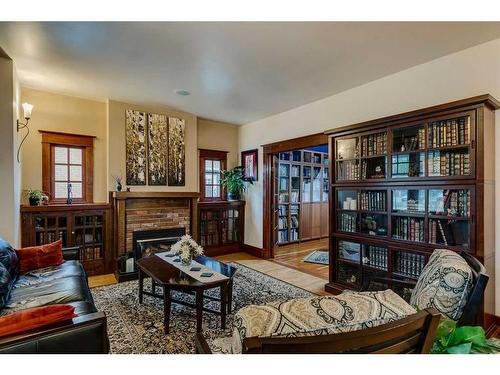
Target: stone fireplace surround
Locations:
point(137, 211)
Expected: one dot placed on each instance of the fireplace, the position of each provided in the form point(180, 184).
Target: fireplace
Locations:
point(140, 213)
point(147, 243)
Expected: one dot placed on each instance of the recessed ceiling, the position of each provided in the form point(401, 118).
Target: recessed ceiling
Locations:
point(235, 72)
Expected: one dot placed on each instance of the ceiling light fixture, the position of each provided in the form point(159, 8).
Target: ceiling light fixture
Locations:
point(182, 92)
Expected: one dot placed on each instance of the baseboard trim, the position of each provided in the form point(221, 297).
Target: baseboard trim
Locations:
point(255, 251)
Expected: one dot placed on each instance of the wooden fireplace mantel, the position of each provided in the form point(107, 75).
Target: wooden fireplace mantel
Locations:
point(127, 203)
point(120, 195)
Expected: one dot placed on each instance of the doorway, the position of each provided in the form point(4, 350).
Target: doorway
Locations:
point(296, 199)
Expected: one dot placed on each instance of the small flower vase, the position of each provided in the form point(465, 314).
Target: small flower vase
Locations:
point(186, 262)
point(118, 187)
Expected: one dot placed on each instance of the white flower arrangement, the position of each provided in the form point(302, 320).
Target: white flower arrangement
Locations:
point(187, 248)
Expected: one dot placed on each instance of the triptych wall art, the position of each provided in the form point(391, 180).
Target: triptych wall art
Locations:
point(155, 149)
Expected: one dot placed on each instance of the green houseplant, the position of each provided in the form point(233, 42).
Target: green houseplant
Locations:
point(233, 180)
point(36, 197)
point(451, 339)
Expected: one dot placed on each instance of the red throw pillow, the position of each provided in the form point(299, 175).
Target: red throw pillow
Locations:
point(31, 319)
point(31, 258)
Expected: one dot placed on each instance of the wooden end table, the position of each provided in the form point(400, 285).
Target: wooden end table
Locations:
point(171, 278)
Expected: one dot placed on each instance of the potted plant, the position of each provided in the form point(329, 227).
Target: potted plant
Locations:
point(36, 197)
point(233, 181)
point(118, 182)
point(451, 339)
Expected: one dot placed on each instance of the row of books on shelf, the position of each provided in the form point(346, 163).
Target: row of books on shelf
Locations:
point(451, 132)
point(347, 222)
point(282, 210)
point(49, 237)
point(283, 236)
point(282, 223)
point(295, 196)
point(448, 163)
point(374, 144)
point(90, 253)
point(409, 229)
point(348, 170)
point(372, 200)
point(294, 234)
point(454, 203)
point(449, 232)
point(410, 143)
point(376, 257)
point(409, 264)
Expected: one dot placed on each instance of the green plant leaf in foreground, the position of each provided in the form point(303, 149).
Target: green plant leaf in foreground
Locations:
point(474, 335)
point(460, 349)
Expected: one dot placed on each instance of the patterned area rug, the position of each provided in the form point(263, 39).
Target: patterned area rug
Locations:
point(138, 329)
point(318, 256)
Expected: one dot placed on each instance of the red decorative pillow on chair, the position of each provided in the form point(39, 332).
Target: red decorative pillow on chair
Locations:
point(31, 319)
point(31, 258)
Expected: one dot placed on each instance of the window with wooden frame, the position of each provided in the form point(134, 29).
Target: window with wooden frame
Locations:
point(212, 162)
point(67, 159)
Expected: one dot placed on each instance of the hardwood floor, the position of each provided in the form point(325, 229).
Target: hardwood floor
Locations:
point(272, 268)
point(269, 267)
point(292, 256)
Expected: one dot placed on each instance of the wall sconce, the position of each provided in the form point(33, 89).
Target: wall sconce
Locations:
point(27, 108)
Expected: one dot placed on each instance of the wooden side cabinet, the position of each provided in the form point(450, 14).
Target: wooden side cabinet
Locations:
point(221, 226)
point(86, 226)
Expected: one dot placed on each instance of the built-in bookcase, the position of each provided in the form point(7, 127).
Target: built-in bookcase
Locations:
point(303, 188)
point(408, 184)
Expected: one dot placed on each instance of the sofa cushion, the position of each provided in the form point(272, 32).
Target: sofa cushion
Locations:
point(6, 283)
point(444, 284)
point(66, 290)
point(35, 277)
point(346, 312)
point(33, 319)
point(9, 260)
point(36, 257)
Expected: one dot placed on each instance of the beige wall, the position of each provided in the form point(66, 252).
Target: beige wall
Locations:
point(9, 138)
point(470, 72)
point(116, 123)
point(69, 115)
point(214, 135)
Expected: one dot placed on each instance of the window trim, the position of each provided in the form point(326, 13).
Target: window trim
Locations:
point(211, 155)
point(52, 139)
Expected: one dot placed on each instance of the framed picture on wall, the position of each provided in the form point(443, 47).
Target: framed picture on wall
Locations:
point(249, 161)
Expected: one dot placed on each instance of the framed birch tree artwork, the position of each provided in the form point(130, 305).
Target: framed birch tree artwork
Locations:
point(176, 152)
point(135, 124)
point(157, 149)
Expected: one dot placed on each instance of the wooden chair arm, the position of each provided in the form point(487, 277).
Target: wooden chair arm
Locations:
point(201, 344)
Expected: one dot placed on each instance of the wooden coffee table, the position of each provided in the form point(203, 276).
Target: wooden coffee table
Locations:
point(171, 278)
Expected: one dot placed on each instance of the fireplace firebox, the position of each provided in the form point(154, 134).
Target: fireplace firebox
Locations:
point(147, 243)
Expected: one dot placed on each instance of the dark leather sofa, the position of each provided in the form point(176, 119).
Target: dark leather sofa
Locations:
point(64, 284)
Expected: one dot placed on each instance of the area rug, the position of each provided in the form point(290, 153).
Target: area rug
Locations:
point(138, 329)
point(318, 256)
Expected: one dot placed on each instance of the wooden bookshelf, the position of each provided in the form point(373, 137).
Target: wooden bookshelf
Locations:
point(407, 184)
point(302, 192)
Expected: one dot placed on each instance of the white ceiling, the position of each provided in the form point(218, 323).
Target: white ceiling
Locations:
point(236, 72)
